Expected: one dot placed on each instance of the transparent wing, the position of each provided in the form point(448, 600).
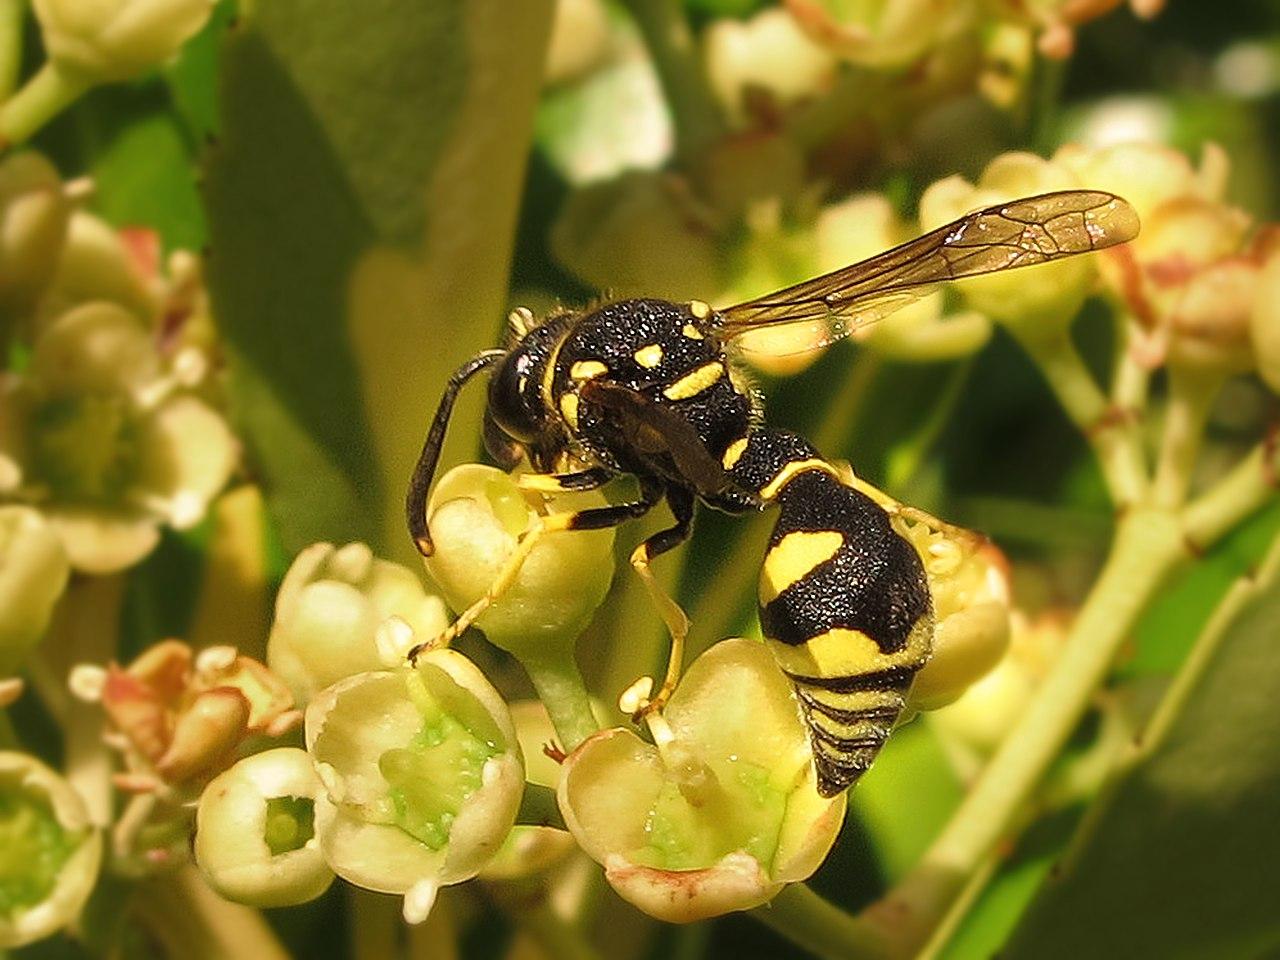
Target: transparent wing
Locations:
point(1019, 233)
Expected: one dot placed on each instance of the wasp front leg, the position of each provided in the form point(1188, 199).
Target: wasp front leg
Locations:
point(595, 518)
point(680, 500)
point(590, 479)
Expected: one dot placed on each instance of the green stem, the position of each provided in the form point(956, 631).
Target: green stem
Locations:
point(557, 936)
point(41, 99)
point(1148, 546)
point(1131, 380)
point(12, 13)
point(906, 458)
point(85, 629)
point(820, 927)
point(1191, 396)
point(538, 808)
point(560, 688)
point(1249, 486)
point(1114, 440)
point(697, 118)
point(191, 921)
point(8, 735)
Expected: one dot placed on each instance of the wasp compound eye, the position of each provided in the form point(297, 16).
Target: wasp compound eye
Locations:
point(507, 391)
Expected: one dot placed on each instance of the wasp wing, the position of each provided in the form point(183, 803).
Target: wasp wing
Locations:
point(1019, 233)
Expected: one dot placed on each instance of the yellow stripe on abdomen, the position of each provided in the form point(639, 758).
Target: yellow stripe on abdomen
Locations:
point(793, 557)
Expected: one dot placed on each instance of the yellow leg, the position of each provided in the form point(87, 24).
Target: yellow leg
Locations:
point(677, 622)
point(896, 508)
point(501, 583)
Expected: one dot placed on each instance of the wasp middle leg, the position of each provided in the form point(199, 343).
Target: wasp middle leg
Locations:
point(680, 499)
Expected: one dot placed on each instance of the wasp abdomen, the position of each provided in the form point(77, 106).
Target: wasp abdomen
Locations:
point(844, 604)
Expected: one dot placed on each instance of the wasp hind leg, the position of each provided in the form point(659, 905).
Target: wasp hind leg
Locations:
point(680, 500)
point(896, 508)
point(595, 518)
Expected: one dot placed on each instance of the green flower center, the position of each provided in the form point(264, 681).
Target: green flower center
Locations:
point(738, 809)
point(290, 824)
point(34, 847)
point(433, 776)
point(86, 447)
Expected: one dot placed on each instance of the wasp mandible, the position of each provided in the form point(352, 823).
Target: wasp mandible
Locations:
point(652, 389)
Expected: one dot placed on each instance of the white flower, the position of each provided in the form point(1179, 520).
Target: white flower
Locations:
point(113, 40)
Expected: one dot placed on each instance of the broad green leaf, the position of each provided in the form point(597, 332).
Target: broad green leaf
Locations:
point(1181, 858)
point(362, 201)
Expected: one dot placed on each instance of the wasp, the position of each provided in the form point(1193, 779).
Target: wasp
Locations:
point(654, 389)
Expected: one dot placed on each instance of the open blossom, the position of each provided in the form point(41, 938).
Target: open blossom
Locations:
point(112, 40)
point(98, 433)
point(770, 54)
point(721, 811)
point(1057, 20)
point(49, 851)
point(424, 796)
point(179, 716)
point(255, 831)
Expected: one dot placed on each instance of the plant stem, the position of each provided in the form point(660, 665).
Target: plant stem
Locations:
point(820, 927)
point(697, 118)
point(41, 99)
point(193, 922)
point(556, 935)
point(85, 629)
point(1148, 546)
point(1191, 396)
point(1114, 440)
point(1249, 485)
point(560, 688)
point(12, 13)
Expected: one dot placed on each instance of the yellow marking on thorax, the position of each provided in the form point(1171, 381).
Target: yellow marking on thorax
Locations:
point(700, 309)
point(794, 557)
point(649, 356)
point(790, 470)
point(569, 408)
point(733, 453)
point(692, 332)
point(587, 369)
point(692, 384)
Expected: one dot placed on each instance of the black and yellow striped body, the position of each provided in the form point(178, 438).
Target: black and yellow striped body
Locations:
point(844, 604)
point(643, 387)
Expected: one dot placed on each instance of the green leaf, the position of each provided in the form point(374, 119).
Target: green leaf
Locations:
point(1181, 858)
point(362, 202)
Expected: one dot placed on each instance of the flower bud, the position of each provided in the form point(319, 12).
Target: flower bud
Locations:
point(770, 53)
point(984, 713)
point(422, 776)
point(721, 811)
point(49, 851)
point(476, 513)
point(1264, 324)
point(328, 611)
point(33, 574)
point(33, 225)
point(1038, 304)
point(112, 40)
point(255, 831)
point(971, 594)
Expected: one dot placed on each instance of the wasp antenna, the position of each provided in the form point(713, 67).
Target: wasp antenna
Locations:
point(424, 472)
